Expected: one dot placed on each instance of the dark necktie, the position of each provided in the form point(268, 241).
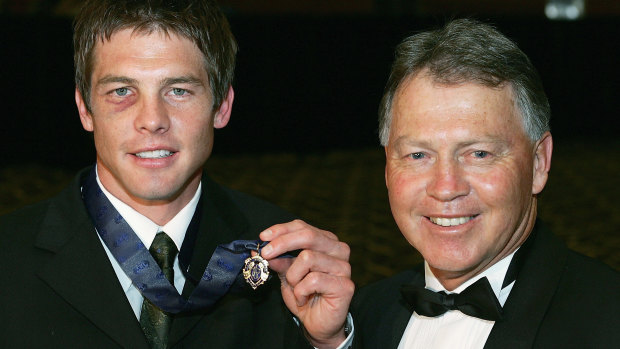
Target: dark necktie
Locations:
point(477, 300)
point(154, 321)
point(221, 275)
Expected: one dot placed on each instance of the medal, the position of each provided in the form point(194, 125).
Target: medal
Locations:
point(256, 270)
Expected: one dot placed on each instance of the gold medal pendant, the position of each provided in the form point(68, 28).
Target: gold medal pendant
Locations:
point(256, 270)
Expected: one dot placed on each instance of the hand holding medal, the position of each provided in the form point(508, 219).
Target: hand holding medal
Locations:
point(316, 285)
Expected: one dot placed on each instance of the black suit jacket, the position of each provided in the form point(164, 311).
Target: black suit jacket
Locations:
point(561, 299)
point(59, 290)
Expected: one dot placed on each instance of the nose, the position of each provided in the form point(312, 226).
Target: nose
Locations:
point(152, 116)
point(447, 181)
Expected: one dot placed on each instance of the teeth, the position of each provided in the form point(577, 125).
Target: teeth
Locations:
point(448, 222)
point(154, 154)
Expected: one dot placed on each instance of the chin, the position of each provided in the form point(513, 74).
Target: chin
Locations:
point(156, 193)
point(451, 266)
point(453, 261)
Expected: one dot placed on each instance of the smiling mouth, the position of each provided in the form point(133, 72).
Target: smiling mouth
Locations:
point(450, 222)
point(154, 154)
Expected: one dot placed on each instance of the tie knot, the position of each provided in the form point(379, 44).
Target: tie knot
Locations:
point(163, 250)
point(477, 300)
point(448, 300)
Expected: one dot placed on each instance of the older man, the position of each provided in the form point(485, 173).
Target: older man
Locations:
point(144, 249)
point(465, 126)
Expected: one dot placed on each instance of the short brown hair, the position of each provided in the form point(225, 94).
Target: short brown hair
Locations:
point(200, 21)
point(466, 50)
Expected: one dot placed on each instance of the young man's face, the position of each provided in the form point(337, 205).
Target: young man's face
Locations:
point(462, 175)
point(152, 119)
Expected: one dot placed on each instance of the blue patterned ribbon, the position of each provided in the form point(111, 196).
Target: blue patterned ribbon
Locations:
point(136, 261)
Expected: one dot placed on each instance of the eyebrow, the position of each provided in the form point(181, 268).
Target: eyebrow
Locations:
point(182, 80)
point(189, 79)
point(110, 79)
point(404, 141)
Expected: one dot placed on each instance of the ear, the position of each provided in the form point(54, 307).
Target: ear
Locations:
point(222, 116)
point(85, 116)
point(542, 162)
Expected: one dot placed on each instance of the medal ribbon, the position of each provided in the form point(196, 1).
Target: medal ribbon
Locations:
point(136, 261)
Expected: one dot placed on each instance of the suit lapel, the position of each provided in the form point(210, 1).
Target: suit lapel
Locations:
point(380, 312)
point(401, 316)
point(221, 222)
point(80, 271)
point(402, 312)
point(79, 255)
point(532, 293)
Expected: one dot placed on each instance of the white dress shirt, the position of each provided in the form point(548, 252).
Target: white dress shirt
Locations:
point(455, 329)
point(176, 228)
point(146, 230)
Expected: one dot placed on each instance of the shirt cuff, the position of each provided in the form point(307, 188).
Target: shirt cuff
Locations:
point(348, 331)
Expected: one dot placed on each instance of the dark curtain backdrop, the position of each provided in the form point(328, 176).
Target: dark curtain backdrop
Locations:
point(303, 83)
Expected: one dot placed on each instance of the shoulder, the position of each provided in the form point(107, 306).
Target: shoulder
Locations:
point(379, 311)
point(578, 278)
point(590, 282)
point(61, 206)
point(582, 295)
point(585, 306)
point(576, 270)
point(232, 205)
point(377, 296)
point(389, 284)
point(24, 223)
point(21, 226)
point(253, 206)
point(592, 268)
point(240, 210)
point(25, 216)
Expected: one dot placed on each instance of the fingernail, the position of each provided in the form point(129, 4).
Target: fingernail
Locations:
point(266, 250)
point(266, 235)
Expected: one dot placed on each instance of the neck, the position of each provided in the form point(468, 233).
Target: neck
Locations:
point(159, 213)
point(159, 210)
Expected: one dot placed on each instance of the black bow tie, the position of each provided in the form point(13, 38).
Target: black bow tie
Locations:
point(477, 300)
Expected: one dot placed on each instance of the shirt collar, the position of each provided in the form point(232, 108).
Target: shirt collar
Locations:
point(146, 229)
point(495, 274)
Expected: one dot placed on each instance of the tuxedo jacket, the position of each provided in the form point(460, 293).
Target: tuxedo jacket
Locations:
point(560, 299)
point(58, 288)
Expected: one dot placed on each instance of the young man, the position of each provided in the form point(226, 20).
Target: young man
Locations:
point(143, 249)
point(465, 126)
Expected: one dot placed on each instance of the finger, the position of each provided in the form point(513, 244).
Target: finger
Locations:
point(311, 261)
point(335, 291)
point(276, 230)
point(290, 227)
point(281, 265)
point(307, 238)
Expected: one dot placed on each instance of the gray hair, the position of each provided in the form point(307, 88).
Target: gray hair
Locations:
point(466, 50)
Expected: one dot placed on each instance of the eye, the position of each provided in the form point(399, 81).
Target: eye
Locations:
point(123, 91)
point(416, 156)
point(178, 91)
point(481, 154)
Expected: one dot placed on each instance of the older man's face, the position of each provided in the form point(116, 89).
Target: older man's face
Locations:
point(462, 175)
